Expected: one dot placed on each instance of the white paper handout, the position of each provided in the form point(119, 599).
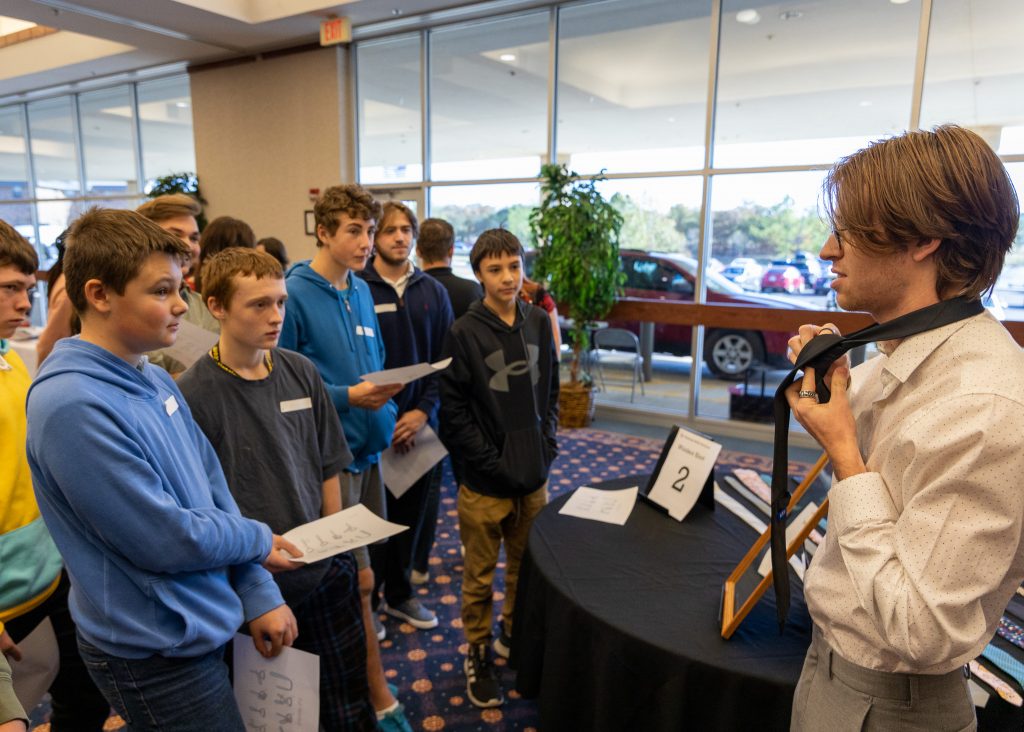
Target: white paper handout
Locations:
point(191, 344)
point(405, 374)
point(401, 470)
point(281, 693)
point(684, 472)
point(40, 661)
point(340, 532)
point(611, 507)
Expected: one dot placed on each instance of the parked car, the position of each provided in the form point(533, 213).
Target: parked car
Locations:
point(745, 272)
point(729, 353)
point(782, 276)
point(822, 285)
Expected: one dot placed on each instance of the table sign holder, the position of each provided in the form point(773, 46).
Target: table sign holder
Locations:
point(684, 475)
point(730, 616)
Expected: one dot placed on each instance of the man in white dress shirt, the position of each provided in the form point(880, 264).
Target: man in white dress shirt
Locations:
point(924, 546)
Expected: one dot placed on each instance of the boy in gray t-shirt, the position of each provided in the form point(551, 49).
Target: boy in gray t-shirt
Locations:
point(269, 417)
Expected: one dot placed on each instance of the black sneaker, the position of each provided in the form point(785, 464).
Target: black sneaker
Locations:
point(481, 684)
point(503, 644)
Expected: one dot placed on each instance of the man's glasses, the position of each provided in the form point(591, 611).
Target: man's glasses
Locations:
point(839, 240)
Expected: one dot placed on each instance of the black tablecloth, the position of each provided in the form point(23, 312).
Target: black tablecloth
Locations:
point(616, 627)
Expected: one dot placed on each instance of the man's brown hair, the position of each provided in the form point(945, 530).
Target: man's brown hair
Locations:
point(15, 251)
point(351, 199)
point(220, 271)
point(170, 206)
point(222, 233)
point(945, 184)
point(436, 239)
point(111, 246)
point(390, 208)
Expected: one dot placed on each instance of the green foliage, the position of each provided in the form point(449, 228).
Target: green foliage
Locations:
point(647, 229)
point(179, 183)
point(577, 234)
point(469, 221)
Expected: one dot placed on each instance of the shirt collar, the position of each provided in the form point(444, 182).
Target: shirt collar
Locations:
point(410, 268)
point(904, 356)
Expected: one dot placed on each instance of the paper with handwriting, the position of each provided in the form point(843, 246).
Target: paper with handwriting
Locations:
point(280, 694)
point(340, 532)
point(611, 507)
point(405, 374)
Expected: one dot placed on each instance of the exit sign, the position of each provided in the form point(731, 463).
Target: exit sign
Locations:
point(335, 30)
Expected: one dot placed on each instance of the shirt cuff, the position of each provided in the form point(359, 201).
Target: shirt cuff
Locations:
point(860, 499)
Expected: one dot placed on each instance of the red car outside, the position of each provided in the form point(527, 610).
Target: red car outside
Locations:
point(782, 277)
point(728, 353)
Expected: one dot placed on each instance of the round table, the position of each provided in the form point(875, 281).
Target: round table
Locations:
point(616, 627)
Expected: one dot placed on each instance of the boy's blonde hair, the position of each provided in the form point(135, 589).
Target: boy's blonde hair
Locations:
point(220, 271)
point(111, 246)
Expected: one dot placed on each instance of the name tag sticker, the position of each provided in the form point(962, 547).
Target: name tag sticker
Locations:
point(367, 331)
point(296, 405)
point(171, 405)
point(385, 307)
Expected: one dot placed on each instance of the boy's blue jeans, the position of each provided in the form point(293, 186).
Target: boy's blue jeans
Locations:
point(158, 694)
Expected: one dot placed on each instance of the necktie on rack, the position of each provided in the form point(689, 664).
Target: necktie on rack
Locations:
point(819, 353)
point(1010, 631)
point(1006, 663)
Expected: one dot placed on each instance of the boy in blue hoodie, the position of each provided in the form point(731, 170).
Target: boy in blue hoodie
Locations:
point(499, 415)
point(330, 320)
point(164, 569)
point(414, 314)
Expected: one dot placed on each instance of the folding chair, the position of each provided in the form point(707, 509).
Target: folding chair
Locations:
point(621, 345)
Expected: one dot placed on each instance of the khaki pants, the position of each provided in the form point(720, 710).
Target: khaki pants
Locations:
point(484, 522)
point(836, 695)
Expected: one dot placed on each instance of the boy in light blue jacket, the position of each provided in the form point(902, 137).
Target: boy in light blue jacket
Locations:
point(164, 569)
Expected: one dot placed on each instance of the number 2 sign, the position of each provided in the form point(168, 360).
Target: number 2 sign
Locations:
point(684, 473)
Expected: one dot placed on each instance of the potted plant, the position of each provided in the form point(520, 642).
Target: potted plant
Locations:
point(577, 235)
point(180, 183)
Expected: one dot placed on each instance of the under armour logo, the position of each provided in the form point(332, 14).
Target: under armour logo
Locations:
point(502, 371)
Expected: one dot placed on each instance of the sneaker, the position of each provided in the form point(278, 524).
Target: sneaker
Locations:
point(481, 684)
point(503, 644)
point(378, 627)
point(419, 578)
point(394, 721)
point(413, 612)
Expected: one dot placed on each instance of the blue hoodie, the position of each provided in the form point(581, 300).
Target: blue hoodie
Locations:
point(338, 331)
point(161, 560)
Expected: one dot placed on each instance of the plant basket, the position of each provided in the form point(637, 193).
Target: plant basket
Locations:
point(575, 405)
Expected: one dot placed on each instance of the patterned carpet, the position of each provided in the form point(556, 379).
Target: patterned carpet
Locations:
point(427, 665)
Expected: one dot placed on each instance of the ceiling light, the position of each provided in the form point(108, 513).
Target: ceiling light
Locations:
point(899, 2)
point(748, 16)
point(507, 57)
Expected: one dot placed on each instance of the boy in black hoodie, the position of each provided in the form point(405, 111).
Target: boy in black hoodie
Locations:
point(499, 414)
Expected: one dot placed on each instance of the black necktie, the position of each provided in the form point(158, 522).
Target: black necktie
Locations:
point(819, 353)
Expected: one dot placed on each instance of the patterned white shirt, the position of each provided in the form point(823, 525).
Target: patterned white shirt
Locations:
point(924, 551)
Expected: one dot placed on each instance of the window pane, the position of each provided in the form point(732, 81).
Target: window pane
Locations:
point(975, 70)
point(808, 82)
point(472, 210)
point(108, 141)
point(1009, 292)
point(54, 150)
point(489, 90)
point(658, 244)
point(19, 215)
point(13, 154)
point(632, 85)
point(766, 236)
point(165, 117)
point(390, 124)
